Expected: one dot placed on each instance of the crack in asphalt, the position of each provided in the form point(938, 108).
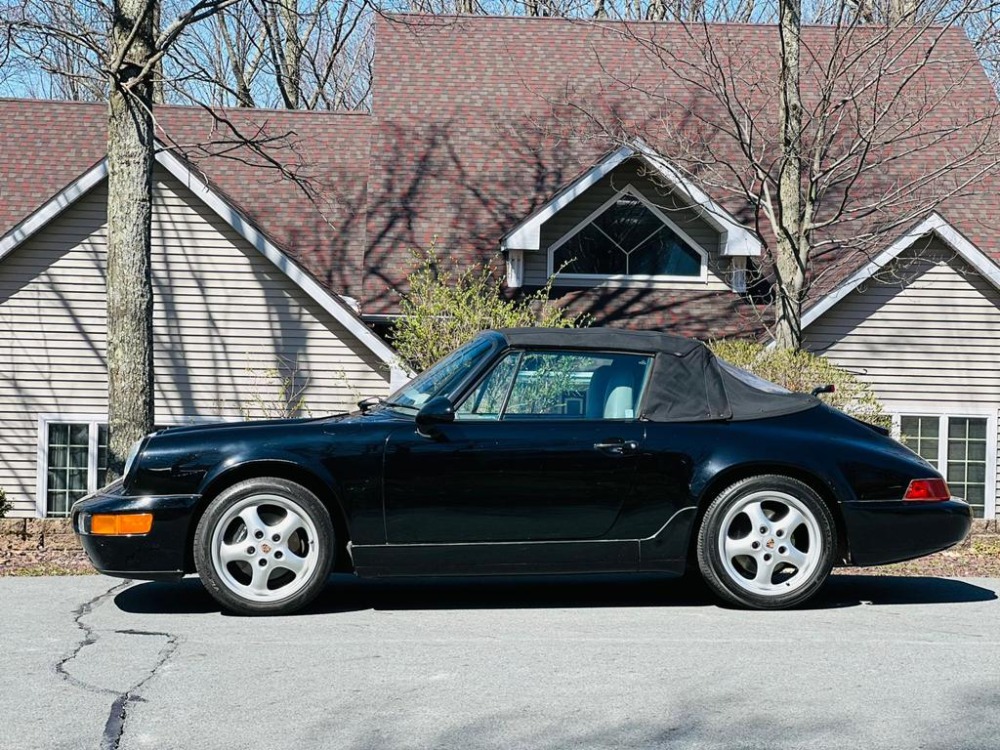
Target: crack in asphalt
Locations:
point(89, 638)
point(114, 727)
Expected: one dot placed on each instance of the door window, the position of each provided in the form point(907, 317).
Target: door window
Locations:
point(560, 385)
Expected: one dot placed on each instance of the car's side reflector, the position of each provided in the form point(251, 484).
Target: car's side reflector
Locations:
point(927, 491)
point(120, 524)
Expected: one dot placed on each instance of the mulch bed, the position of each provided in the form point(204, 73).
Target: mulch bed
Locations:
point(976, 557)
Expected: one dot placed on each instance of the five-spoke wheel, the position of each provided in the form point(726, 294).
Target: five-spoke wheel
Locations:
point(766, 542)
point(264, 546)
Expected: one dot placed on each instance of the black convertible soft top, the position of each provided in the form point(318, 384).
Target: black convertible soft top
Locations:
point(688, 383)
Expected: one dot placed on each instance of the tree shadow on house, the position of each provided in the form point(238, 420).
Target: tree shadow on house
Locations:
point(346, 593)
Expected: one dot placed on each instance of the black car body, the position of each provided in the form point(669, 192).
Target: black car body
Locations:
point(541, 481)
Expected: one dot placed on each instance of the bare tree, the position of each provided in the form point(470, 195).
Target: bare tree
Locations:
point(811, 131)
point(291, 54)
point(127, 49)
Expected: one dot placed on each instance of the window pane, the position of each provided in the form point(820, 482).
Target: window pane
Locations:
point(977, 450)
point(77, 480)
point(664, 254)
point(486, 400)
point(58, 434)
point(571, 385)
point(59, 456)
point(57, 504)
point(590, 252)
point(79, 434)
point(628, 222)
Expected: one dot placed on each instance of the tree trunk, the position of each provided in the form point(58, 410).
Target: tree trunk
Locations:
point(792, 248)
point(290, 17)
point(130, 188)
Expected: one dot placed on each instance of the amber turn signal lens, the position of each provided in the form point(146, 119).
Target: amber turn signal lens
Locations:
point(123, 524)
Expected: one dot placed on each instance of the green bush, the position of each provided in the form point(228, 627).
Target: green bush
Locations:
point(445, 308)
point(5, 504)
point(802, 371)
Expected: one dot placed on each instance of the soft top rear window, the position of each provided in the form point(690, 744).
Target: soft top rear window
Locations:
point(748, 378)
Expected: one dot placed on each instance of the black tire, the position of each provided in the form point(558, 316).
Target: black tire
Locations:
point(272, 574)
point(788, 560)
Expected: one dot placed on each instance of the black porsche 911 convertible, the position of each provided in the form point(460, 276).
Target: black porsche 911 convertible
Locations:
point(529, 451)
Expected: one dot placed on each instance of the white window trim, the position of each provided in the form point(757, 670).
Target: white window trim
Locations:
point(735, 239)
point(943, 414)
point(42, 449)
point(570, 279)
point(42, 476)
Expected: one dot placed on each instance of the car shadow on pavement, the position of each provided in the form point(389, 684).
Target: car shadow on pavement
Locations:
point(345, 593)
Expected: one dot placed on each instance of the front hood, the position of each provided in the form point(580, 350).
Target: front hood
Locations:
point(252, 424)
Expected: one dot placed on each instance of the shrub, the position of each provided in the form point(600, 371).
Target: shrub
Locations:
point(803, 371)
point(445, 308)
point(5, 504)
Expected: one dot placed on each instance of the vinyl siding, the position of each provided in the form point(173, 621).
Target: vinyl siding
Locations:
point(631, 173)
point(923, 333)
point(225, 319)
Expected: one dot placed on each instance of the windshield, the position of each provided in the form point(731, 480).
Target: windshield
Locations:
point(442, 376)
point(748, 378)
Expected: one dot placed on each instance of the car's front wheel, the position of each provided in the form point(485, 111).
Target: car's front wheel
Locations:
point(264, 546)
point(767, 542)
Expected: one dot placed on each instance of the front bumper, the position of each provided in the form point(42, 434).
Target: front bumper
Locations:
point(886, 532)
point(160, 554)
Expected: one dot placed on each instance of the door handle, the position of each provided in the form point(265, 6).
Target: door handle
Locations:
point(617, 447)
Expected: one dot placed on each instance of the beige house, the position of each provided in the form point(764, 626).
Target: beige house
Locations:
point(275, 267)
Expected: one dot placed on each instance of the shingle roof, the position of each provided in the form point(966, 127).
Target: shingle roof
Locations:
point(476, 122)
point(312, 207)
point(480, 120)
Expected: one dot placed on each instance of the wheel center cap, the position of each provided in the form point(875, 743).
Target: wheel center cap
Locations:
point(266, 548)
point(769, 544)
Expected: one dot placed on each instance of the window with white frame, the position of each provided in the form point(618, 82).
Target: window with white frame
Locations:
point(962, 448)
point(74, 458)
point(627, 237)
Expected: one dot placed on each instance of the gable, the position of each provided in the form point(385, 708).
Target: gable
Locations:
point(231, 329)
point(921, 330)
point(635, 178)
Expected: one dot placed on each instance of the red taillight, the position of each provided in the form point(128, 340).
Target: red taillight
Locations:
point(927, 491)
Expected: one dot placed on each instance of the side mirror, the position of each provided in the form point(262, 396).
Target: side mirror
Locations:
point(831, 388)
point(439, 410)
point(369, 403)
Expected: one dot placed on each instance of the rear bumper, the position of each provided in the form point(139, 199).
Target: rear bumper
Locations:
point(160, 554)
point(886, 532)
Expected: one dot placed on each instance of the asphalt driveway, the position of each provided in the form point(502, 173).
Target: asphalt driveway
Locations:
point(92, 662)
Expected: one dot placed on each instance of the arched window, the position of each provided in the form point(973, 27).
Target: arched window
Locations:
point(627, 237)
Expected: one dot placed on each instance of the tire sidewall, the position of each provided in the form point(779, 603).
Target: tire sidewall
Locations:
point(710, 560)
point(290, 491)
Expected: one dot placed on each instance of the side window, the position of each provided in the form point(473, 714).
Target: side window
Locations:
point(578, 386)
point(487, 399)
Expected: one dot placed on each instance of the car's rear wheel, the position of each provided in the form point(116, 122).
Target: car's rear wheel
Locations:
point(264, 546)
point(767, 542)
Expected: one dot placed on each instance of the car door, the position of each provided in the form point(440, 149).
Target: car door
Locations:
point(544, 447)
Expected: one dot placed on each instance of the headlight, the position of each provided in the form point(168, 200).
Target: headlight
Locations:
point(132, 454)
